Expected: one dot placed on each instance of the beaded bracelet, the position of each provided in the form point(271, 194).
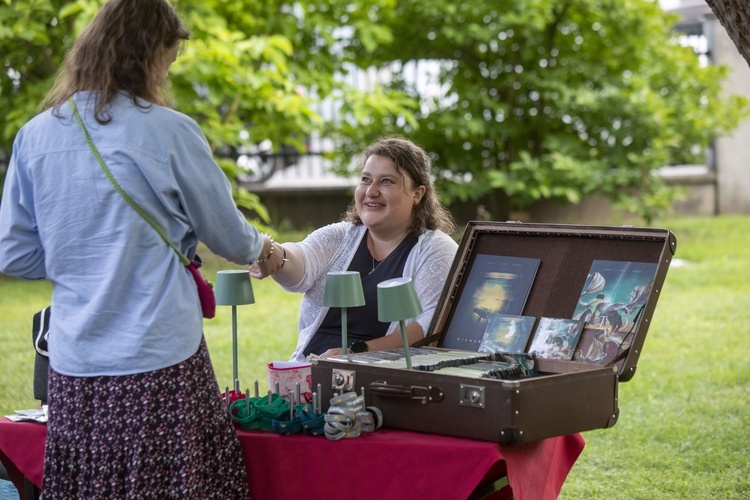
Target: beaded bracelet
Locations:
point(270, 252)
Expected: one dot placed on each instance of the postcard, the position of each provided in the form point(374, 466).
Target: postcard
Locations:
point(495, 284)
point(506, 333)
point(614, 295)
point(556, 338)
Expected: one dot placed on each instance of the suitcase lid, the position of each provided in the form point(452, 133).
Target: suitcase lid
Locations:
point(607, 280)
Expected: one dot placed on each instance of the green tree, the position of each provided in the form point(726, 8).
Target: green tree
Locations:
point(557, 100)
point(538, 100)
point(253, 71)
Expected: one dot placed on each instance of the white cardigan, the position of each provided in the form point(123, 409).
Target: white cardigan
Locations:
point(331, 248)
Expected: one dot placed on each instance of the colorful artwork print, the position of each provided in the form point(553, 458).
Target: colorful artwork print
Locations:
point(505, 333)
point(495, 284)
point(556, 338)
point(614, 295)
point(596, 347)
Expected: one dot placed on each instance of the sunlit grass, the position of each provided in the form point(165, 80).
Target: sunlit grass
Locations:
point(684, 426)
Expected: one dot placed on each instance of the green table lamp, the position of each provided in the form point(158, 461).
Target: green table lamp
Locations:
point(343, 289)
point(233, 288)
point(398, 301)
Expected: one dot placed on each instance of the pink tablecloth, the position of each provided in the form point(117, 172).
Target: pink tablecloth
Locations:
point(384, 464)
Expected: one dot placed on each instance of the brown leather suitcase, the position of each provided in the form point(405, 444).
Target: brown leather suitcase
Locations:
point(559, 264)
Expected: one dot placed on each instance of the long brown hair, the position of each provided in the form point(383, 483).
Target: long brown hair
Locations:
point(413, 162)
point(120, 51)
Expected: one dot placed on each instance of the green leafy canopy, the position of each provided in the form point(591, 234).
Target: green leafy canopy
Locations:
point(534, 99)
point(557, 100)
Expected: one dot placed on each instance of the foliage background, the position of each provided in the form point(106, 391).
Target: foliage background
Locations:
point(533, 100)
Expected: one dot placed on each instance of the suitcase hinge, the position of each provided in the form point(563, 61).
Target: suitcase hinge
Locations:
point(426, 394)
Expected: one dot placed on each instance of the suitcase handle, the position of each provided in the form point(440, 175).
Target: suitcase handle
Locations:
point(425, 395)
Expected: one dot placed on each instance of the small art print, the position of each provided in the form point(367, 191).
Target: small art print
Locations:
point(596, 347)
point(556, 338)
point(614, 295)
point(495, 284)
point(506, 333)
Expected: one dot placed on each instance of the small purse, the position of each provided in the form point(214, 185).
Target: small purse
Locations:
point(205, 288)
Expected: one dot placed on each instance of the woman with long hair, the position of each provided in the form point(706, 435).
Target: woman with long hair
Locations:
point(135, 410)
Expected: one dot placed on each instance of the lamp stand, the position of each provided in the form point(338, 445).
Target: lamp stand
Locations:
point(343, 331)
point(235, 376)
point(407, 354)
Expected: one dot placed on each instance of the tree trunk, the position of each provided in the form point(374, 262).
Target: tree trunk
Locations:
point(734, 15)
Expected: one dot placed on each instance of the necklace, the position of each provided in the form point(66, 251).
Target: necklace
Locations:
point(370, 248)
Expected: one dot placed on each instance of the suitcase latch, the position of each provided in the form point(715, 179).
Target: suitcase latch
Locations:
point(471, 396)
point(342, 379)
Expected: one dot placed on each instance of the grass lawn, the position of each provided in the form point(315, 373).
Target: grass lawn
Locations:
point(684, 426)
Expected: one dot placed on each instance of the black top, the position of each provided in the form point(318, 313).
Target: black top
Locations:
point(362, 321)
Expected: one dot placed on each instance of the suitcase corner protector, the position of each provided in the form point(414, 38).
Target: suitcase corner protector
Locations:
point(510, 435)
point(613, 418)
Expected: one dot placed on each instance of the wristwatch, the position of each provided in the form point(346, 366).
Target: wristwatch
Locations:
point(359, 346)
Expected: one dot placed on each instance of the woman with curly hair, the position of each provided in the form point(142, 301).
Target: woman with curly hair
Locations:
point(396, 226)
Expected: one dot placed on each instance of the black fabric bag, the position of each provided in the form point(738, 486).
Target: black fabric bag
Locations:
point(39, 337)
point(40, 331)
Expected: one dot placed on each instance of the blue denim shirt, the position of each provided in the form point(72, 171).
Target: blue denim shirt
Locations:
point(123, 302)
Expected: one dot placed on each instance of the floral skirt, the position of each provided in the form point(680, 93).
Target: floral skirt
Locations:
point(160, 434)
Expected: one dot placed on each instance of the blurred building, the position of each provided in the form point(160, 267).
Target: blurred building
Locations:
point(721, 185)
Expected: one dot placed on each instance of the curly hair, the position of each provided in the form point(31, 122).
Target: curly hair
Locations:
point(414, 162)
point(120, 51)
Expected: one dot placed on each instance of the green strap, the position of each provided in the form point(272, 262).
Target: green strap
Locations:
point(119, 189)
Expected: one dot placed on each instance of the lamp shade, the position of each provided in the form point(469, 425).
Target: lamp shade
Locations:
point(343, 289)
point(397, 300)
point(233, 288)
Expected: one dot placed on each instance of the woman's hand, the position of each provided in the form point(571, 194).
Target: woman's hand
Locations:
point(256, 272)
point(261, 270)
point(286, 264)
point(271, 260)
point(331, 352)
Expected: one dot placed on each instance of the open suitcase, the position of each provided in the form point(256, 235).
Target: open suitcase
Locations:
point(588, 294)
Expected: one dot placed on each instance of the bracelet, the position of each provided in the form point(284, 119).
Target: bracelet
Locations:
point(284, 260)
point(270, 252)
